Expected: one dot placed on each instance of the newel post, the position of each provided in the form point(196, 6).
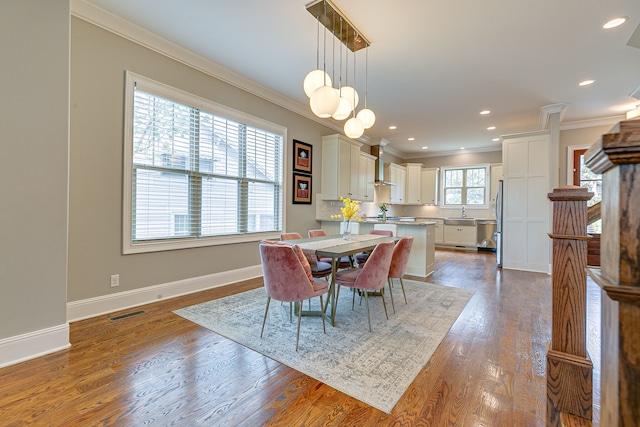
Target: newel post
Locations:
point(569, 369)
point(617, 157)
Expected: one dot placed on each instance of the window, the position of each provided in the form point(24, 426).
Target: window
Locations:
point(465, 186)
point(583, 177)
point(197, 173)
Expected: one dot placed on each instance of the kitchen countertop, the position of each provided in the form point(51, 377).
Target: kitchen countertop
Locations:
point(420, 221)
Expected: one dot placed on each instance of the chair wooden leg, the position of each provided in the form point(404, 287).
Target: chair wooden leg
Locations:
point(299, 320)
point(384, 304)
point(405, 295)
point(353, 298)
point(266, 310)
point(390, 281)
point(366, 299)
point(324, 328)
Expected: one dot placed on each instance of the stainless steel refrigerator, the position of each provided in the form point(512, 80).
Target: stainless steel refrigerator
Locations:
point(499, 220)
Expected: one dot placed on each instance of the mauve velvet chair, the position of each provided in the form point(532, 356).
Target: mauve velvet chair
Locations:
point(371, 277)
point(286, 280)
point(319, 269)
point(399, 262)
point(345, 261)
point(362, 257)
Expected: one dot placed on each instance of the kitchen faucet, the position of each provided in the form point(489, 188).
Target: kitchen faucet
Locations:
point(464, 215)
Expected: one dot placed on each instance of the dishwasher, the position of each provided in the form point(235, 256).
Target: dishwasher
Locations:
point(486, 234)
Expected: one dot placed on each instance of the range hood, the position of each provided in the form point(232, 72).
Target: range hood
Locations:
point(378, 151)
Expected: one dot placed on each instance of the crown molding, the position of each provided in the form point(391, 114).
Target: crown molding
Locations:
point(486, 149)
point(590, 123)
point(117, 25)
point(548, 110)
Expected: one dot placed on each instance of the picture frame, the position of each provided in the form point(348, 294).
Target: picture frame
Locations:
point(302, 156)
point(301, 189)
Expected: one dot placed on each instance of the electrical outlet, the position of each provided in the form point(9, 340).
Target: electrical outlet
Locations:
point(115, 280)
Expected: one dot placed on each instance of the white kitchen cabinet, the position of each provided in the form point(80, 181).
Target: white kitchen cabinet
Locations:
point(429, 186)
point(340, 167)
point(413, 183)
point(396, 174)
point(367, 176)
point(438, 232)
point(460, 235)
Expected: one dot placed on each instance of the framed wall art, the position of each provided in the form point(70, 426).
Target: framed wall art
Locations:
point(302, 156)
point(301, 189)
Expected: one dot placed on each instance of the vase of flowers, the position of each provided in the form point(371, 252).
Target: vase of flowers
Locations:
point(383, 212)
point(349, 213)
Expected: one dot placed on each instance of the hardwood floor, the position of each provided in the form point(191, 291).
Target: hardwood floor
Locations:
point(159, 369)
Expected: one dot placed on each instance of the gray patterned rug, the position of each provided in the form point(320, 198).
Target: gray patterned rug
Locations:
point(373, 367)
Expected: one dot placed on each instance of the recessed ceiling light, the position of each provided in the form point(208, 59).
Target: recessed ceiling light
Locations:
point(496, 139)
point(485, 112)
point(411, 139)
point(491, 128)
point(462, 148)
point(392, 127)
point(425, 148)
point(615, 22)
point(586, 82)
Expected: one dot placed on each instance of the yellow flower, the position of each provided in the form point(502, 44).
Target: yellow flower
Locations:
point(349, 210)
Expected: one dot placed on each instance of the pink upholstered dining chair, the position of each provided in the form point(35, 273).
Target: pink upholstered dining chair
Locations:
point(286, 279)
point(371, 277)
point(344, 262)
point(361, 258)
point(398, 266)
point(319, 269)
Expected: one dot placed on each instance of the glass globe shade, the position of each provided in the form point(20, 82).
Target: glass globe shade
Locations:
point(350, 94)
point(313, 80)
point(353, 128)
point(367, 117)
point(324, 101)
point(343, 110)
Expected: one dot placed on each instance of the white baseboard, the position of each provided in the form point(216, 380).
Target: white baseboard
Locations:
point(33, 344)
point(83, 309)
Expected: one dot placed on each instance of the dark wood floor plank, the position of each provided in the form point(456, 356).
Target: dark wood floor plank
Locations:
point(160, 369)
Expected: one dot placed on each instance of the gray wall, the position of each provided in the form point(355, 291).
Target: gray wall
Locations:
point(98, 62)
point(34, 120)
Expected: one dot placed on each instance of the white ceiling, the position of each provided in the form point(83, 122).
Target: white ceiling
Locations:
point(433, 65)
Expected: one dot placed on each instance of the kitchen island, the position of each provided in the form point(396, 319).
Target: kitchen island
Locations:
point(422, 258)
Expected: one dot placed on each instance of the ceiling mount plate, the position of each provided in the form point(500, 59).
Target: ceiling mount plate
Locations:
point(329, 15)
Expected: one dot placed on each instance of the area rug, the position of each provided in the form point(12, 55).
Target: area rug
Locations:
point(373, 367)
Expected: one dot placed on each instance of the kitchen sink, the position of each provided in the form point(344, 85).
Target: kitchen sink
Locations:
point(460, 221)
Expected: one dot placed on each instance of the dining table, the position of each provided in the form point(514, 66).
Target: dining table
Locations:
point(336, 247)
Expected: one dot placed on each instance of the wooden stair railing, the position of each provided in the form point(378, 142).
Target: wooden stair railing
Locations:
point(593, 213)
point(569, 369)
point(593, 244)
point(617, 157)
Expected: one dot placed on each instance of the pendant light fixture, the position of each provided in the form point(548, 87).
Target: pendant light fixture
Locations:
point(354, 128)
point(315, 78)
point(365, 115)
point(344, 109)
point(326, 101)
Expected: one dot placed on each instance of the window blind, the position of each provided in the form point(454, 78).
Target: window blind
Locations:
point(197, 174)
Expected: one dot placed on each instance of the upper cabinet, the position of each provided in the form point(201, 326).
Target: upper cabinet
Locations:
point(413, 184)
point(429, 186)
point(396, 174)
point(340, 168)
point(367, 176)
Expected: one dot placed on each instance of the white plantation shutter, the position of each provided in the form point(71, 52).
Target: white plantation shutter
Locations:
point(197, 175)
